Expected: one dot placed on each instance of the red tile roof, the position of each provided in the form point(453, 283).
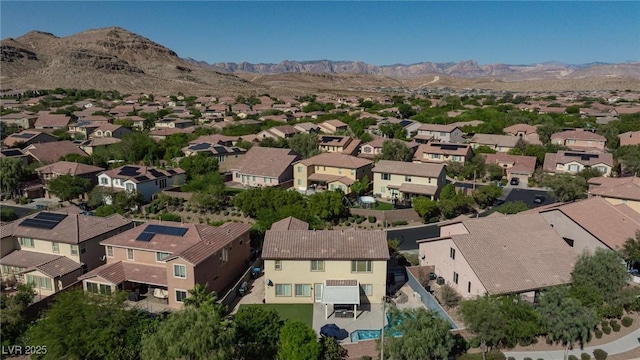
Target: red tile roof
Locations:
point(59, 267)
point(620, 188)
point(262, 161)
point(52, 151)
point(578, 134)
point(407, 168)
point(290, 223)
point(67, 167)
point(336, 160)
point(517, 161)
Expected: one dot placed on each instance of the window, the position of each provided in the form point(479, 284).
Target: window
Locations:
point(180, 271)
point(455, 277)
point(339, 170)
point(452, 253)
point(469, 286)
point(224, 256)
point(353, 172)
point(573, 167)
point(99, 288)
point(407, 178)
point(83, 248)
point(181, 295)
point(160, 256)
point(55, 247)
point(130, 254)
point(317, 265)
point(28, 242)
point(383, 189)
point(602, 169)
point(385, 176)
point(39, 281)
point(435, 156)
point(299, 169)
point(110, 251)
point(104, 181)
point(303, 290)
point(367, 289)
point(278, 264)
point(299, 182)
point(283, 289)
point(366, 150)
point(129, 187)
point(92, 287)
point(74, 250)
point(361, 266)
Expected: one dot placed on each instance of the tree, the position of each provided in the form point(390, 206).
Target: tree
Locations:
point(67, 186)
point(274, 143)
point(257, 332)
point(328, 205)
point(448, 192)
point(199, 164)
point(565, 187)
point(482, 316)
point(190, 334)
point(298, 341)
point(546, 130)
point(588, 173)
point(13, 323)
point(487, 195)
point(631, 249)
point(566, 320)
point(7, 214)
point(426, 208)
point(331, 349)
point(425, 335)
point(629, 158)
point(361, 186)
point(406, 111)
point(494, 172)
point(200, 297)
point(602, 269)
point(396, 150)
point(522, 321)
point(11, 174)
point(306, 145)
point(484, 149)
point(512, 207)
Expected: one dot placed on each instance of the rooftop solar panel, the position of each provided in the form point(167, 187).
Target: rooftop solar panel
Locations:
point(166, 230)
point(405, 123)
point(201, 146)
point(145, 236)
point(156, 173)
point(128, 171)
point(24, 135)
point(172, 172)
point(50, 216)
point(12, 152)
point(38, 224)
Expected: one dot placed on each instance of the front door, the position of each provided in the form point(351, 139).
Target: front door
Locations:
point(317, 289)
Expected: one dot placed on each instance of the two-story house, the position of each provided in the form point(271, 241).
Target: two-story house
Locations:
point(572, 162)
point(437, 132)
point(278, 132)
point(52, 249)
point(374, 147)
point(436, 152)
point(333, 126)
point(617, 191)
point(331, 267)
point(110, 130)
point(403, 180)
point(330, 171)
point(52, 121)
point(174, 123)
point(525, 132)
point(146, 180)
point(579, 139)
point(499, 143)
point(166, 260)
point(519, 166)
point(49, 172)
point(339, 144)
point(262, 166)
point(27, 137)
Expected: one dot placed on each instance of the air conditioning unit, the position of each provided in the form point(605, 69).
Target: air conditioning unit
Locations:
point(440, 280)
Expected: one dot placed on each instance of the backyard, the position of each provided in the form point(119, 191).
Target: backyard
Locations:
point(302, 312)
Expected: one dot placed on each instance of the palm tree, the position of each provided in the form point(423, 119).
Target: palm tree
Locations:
point(200, 297)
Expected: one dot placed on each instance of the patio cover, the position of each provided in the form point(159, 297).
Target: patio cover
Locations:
point(418, 189)
point(343, 292)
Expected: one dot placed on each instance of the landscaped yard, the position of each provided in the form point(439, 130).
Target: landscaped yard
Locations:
point(302, 312)
point(383, 206)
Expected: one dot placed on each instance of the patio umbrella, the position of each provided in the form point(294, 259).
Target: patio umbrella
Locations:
point(331, 330)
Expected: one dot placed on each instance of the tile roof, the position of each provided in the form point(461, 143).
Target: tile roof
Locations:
point(498, 140)
point(336, 160)
point(118, 272)
point(418, 189)
point(213, 239)
point(437, 127)
point(290, 223)
point(27, 259)
point(263, 161)
point(629, 138)
point(407, 168)
point(526, 128)
point(139, 174)
point(6, 228)
point(578, 134)
point(517, 253)
point(215, 139)
point(67, 167)
point(52, 120)
point(59, 267)
point(518, 162)
point(441, 148)
point(326, 244)
point(52, 151)
point(620, 188)
point(333, 140)
point(92, 142)
point(27, 135)
point(113, 272)
point(565, 157)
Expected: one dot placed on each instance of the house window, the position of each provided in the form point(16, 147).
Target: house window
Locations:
point(299, 169)
point(110, 251)
point(569, 242)
point(452, 253)
point(28, 242)
point(385, 176)
point(303, 290)
point(299, 182)
point(160, 256)
point(455, 277)
point(366, 150)
point(179, 271)
point(130, 254)
point(602, 169)
point(129, 187)
point(573, 167)
point(435, 156)
point(278, 265)
point(383, 189)
point(39, 282)
point(339, 170)
point(367, 289)
point(283, 289)
point(181, 295)
point(55, 247)
point(98, 288)
point(469, 286)
point(407, 178)
point(361, 266)
point(443, 134)
point(83, 248)
point(74, 250)
point(353, 172)
point(224, 256)
point(104, 181)
point(317, 265)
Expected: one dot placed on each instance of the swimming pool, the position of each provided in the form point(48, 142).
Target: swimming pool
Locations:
point(372, 334)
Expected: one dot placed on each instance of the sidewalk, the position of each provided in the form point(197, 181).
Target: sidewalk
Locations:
point(623, 344)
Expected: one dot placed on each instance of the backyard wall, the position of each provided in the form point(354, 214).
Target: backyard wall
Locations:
point(428, 300)
point(410, 215)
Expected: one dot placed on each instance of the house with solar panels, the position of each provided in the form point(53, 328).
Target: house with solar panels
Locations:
point(144, 179)
point(52, 249)
point(27, 137)
point(438, 132)
point(219, 151)
point(162, 261)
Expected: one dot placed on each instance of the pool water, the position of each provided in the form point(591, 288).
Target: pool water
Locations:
point(372, 334)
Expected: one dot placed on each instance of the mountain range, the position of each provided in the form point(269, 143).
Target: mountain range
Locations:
point(114, 58)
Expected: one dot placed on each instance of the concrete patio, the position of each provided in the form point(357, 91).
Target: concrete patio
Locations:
point(369, 317)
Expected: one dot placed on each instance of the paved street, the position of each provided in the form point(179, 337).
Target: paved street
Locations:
point(527, 196)
point(409, 235)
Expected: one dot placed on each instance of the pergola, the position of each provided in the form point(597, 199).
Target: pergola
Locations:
point(340, 292)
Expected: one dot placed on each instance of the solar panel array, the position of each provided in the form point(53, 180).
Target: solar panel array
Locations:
point(405, 123)
point(44, 220)
point(24, 135)
point(156, 173)
point(201, 146)
point(141, 178)
point(151, 230)
point(12, 152)
point(449, 146)
point(129, 171)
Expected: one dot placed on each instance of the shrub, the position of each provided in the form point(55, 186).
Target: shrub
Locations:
point(492, 355)
point(627, 321)
point(585, 356)
point(528, 358)
point(225, 213)
point(600, 354)
point(615, 327)
point(613, 321)
point(366, 358)
point(372, 219)
point(449, 296)
point(399, 222)
point(166, 216)
point(604, 323)
point(573, 357)
point(606, 330)
point(549, 341)
point(474, 343)
point(511, 358)
point(598, 333)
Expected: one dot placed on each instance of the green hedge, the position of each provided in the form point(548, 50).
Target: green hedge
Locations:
point(585, 356)
point(627, 321)
point(598, 333)
point(615, 327)
point(606, 330)
point(600, 354)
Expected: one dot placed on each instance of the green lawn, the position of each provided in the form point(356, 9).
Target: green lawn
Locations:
point(302, 312)
point(383, 206)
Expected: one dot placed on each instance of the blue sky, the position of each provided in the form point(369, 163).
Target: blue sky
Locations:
point(380, 33)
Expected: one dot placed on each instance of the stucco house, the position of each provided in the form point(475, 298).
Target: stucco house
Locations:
point(332, 126)
point(436, 152)
point(525, 132)
point(49, 172)
point(515, 254)
point(146, 180)
point(332, 267)
point(629, 138)
point(572, 162)
point(262, 166)
point(278, 132)
point(340, 144)
point(519, 166)
point(617, 191)
point(165, 260)
point(438, 132)
point(374, 147)
point(27, 137)
point(499, 143)
point(403, 180)
point(579, 139)
point(330, 171)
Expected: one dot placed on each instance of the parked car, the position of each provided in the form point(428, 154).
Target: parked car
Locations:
point(538, 199)
point(515, 181)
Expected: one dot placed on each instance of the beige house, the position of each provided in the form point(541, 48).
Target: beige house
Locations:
point(173, 123)
point(518, 166)
point(617, 191)
point(52, 249)
point(402, 180)
point(436, 152)
point(332, 126)
point(516, 254)
point(572, 162)
point(499, 143)
point(629, 138)
point(339, 144)
point(262, 166)
point(579, 139)
point(27, 137)
point(442, 133)
point(330, 171)
point(332, 267)
point(525, 132)
point(374, 147)
point(166, 260)
point(278, 132)
point(49, 172)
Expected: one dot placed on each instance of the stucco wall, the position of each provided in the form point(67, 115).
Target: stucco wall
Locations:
point(567, 228)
